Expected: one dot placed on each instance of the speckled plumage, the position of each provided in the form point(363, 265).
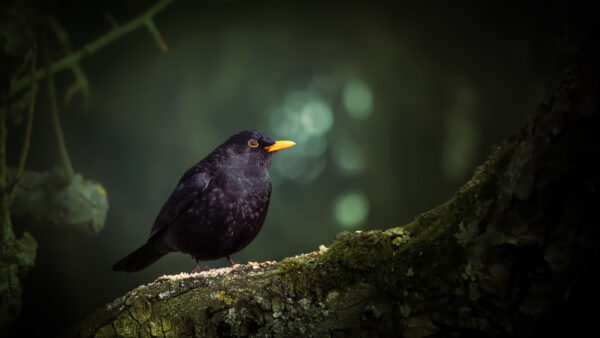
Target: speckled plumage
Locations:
point(217, 208)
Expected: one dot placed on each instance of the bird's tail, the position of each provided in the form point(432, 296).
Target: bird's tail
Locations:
point(140, 258)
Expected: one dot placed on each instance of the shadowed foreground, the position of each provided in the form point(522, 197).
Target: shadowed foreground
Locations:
point(510, 254)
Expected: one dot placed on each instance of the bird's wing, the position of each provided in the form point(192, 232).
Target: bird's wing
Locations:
point(189, 188)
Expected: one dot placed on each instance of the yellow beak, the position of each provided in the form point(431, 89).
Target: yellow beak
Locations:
point(278, 145)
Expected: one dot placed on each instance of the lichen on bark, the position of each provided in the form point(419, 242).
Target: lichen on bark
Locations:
point(17, 256)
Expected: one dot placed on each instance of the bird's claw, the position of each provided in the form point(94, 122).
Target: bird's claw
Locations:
point(199, 269)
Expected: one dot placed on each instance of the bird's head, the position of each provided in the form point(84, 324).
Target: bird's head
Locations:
point(252, 146)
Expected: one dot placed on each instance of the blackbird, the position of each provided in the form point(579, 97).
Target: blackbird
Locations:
point(218, 207)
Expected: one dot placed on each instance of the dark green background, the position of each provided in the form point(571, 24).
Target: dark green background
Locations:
point(448, 81)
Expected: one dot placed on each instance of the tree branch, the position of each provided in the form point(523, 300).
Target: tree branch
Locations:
point(81, 82)
point(17, 255)
point(60, 140)
point(501, 258)
point(28, 126)
point(156, 34)
point(3, 132)
point(69, 60)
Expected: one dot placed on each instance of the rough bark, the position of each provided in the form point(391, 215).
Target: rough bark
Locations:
point(504, 256)
point(17, 256)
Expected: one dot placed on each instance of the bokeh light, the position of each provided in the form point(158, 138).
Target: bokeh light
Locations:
point(461, 135)
point(316, 117)
point(290, 165)
point(349, 157)
point(358, 99)
point(313, 146)
point(351, 209)
point(304, 117)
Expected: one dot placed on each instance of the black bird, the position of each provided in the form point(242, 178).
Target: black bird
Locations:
point(218, 206)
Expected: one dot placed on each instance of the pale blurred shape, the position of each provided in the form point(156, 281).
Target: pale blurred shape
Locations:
point(461, 136)
point(351, 209)
point(302, 114)
point(313, 146)
point(323, 85)
point(357, 98)
point(285, 123)
point(290, 164)
point(349, 157)
point(304, 117)
point(314, 170)
point(316, 117)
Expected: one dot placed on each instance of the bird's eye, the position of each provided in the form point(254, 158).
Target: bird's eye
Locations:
point(252, 143)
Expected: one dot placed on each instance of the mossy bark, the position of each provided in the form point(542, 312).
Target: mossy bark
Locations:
point(17, 256)
point(504, 256)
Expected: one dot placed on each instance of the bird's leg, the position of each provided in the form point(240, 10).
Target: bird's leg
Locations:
point(197, 269)
point(231, 262)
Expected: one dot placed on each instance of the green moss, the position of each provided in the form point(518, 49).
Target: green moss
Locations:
point(446, 230)
point(225, 298)
point(155, 327)
point(433, 263)
point(166, 325)
point(386, 257)
point(25, 252)
point(141, 310)
point(383, 259)
point(126, 326)
point(17, 256)
point(105, 332)
point(358, 253)
point(298, 270)
point(145, 331)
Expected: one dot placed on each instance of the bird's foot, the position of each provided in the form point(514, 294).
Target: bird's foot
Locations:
point(198, 268)
point(232, 263)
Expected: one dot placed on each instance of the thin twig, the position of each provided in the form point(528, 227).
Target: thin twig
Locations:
point(156, 35)
point(6, 233)
point(111, 19)
point(28, 127)
point(62, 148)
point(92, 47)
point(3, 132)
point(81, 82)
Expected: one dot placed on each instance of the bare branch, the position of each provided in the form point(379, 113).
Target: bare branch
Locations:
point(92, 47)
point(28, 126)
point(3, 131)
point(64, 156)
point(81, 82)
point(156, 35)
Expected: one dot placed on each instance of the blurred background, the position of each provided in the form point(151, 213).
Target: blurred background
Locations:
point(392, 109)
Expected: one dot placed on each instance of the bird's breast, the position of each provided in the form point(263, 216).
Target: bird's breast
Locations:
point(248, 205)
point(226, 218)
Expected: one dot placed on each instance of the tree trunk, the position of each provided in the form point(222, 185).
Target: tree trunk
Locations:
point(512, 253)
